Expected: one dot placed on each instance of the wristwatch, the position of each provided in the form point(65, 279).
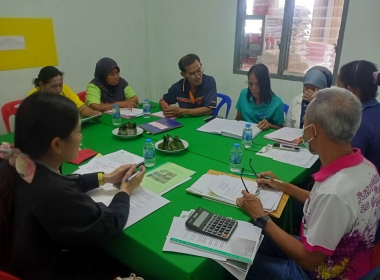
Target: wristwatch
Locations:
point(261, 222)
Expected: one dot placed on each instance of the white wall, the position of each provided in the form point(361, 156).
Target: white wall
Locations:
point(148, 37)
point(85, 31)
point(207, 28)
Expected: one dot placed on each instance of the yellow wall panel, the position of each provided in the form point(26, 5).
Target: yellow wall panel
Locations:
point(39, 40)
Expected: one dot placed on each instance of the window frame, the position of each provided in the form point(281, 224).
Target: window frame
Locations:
point(285, 39)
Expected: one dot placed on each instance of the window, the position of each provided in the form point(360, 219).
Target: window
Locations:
point(289, 36)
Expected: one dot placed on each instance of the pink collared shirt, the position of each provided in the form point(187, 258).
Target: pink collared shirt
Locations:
point(341, 217)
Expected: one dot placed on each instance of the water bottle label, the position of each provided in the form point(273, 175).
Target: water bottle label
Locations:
point(235, 159)
point(149, 154)
point(116, 115)
point(248, 135)
point(146, 109)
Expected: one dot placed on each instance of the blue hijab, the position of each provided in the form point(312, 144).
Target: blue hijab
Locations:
point(318, 76)
point(109, 94)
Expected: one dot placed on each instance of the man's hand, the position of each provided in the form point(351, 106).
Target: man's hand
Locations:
point(267, 183)
point(263, 124)
point(173, 112)
point(117, 174)
point(251, 204)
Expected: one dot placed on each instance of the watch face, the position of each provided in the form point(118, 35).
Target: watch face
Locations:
point(261, 222)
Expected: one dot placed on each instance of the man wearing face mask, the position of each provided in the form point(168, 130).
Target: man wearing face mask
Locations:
point(341, 213)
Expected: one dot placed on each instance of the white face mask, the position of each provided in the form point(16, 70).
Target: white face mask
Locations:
point(306, 143)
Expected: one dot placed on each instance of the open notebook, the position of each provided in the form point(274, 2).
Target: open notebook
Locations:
point(229, 128)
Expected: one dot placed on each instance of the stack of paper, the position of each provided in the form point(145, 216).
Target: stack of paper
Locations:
point(226, 189)
point(160, 114)
point(142, 201)
point(229, 128)
point(286, 135)
point(303, 158)
point(110, 162)
point(247, 236)
point(128, 113)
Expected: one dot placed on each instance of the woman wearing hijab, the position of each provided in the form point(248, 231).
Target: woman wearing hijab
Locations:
point(108, 88)
point(316, 78)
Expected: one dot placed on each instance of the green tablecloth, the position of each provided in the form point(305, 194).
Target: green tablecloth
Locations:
point(140, 246)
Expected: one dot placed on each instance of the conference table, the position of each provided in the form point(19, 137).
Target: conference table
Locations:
point(140, 245)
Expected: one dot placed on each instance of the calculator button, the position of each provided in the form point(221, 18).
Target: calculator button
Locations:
point(224, 235)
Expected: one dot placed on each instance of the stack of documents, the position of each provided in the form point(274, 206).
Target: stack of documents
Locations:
point(286, 135)
point(303, 158)
point(110, 162)
point(236, 254)
point(229, 128)
point(160, 114)
point(142, 201)
point(128, 113)
point(226, 189)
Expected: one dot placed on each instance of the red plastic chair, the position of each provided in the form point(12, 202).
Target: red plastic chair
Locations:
point(6, 276)
point(9, 110)
point(82, 96)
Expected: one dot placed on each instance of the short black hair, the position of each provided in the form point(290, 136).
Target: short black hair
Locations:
point(187, 60)
point(46, 74)
point(359, 74)
point(263, 78)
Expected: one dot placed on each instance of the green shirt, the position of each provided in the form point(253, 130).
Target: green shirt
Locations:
point(273, 112)
point(93, 94)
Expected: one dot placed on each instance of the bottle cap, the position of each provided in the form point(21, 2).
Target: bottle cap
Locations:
point(236, 145)
point(148, 141)
point(115, 105)
point(248, 125)
point(146, 100)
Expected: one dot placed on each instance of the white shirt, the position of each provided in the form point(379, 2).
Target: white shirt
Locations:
point(341, 217)
point(293, 117)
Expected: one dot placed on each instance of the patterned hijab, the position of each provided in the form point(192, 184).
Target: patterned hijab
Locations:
point(109, 94)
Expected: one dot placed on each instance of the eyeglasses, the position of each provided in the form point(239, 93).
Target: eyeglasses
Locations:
point(193, 75)
point(265, 149)
point(254, 172)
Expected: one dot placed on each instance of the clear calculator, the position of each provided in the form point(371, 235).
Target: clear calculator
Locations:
point(204, 221)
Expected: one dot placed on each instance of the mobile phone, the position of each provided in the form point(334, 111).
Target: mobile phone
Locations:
point(286, 147)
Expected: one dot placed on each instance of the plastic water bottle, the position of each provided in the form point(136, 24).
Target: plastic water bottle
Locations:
point(246, 138)
point(116, 119)
point(146, 109)
point(236, 158)
point(149, 152)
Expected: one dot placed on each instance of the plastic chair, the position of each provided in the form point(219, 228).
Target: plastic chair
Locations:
point(8, 110)
point(286, 108)
point(372, 275)
point(225, 100)
point(82, 96)
point(6, 276)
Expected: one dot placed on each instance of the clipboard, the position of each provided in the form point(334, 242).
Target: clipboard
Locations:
point(284, 199)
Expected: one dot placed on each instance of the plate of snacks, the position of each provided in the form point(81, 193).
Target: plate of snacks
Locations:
point(127, 130)
point(171, 145)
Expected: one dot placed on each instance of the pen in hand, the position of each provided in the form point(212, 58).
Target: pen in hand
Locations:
point(133, 176)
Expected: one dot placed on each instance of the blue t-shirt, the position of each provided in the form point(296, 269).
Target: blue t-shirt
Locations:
point(273, 112)
point(367, 138)
point(204, 96)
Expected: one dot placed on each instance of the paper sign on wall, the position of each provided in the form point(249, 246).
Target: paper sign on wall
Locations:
point(9, 43)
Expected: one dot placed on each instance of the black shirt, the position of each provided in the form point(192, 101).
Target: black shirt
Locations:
point(52, 214)
point(204, 96)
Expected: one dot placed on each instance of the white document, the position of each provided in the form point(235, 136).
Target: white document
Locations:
point(230, 188)
point(110, 162)
point(286, 134)
point(126, 112)
point(215, 126)
point(10, 43)
point(173, 247)
point(142, 201)
point(303, 158)
point(241, 246)
point(235, 129)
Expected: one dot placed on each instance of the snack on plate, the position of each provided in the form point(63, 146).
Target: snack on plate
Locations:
point(127, 129)
point(171, 143)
